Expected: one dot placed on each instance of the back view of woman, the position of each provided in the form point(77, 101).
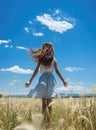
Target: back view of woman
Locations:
point(45, 88)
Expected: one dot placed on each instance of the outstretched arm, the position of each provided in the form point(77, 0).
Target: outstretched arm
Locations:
point(59, 74)
point(33, 75)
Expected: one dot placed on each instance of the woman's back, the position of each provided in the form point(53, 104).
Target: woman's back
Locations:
point(47, 69)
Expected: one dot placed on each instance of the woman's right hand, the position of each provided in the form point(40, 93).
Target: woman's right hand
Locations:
point(27, 84)
point(65, 83)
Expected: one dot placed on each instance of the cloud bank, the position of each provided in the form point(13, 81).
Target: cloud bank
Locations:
point(17, 69)
point(74, 89)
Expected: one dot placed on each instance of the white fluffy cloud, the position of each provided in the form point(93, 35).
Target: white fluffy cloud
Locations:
point(57, 11)
point(26, 29)
point(8, 46)
point(38, 34)
point(17, 69)
point(5, 41)
point(54, 24)
point(71, 69)
point(56, 21)
point(30, 22)
point(22, 48)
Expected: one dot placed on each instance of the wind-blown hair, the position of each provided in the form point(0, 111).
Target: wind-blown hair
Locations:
point(43, 55)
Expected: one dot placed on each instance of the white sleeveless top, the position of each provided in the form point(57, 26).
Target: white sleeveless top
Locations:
point(47, 69)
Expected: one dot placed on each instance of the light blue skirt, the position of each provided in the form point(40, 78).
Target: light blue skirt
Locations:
point(45, 88)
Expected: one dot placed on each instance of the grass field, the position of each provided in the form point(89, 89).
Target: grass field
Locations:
point(68, 114)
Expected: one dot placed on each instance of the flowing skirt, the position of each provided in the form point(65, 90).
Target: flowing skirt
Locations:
point(45, 88)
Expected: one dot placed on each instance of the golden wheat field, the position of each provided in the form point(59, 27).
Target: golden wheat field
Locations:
point(68, 114)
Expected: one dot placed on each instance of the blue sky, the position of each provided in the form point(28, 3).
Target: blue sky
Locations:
point(69, 25)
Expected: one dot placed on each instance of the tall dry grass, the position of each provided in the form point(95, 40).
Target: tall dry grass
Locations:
point(68, 114)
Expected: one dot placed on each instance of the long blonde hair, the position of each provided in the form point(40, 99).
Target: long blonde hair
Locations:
point(43, 55)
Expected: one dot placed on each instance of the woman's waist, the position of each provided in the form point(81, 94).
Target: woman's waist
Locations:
point(48, 73)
